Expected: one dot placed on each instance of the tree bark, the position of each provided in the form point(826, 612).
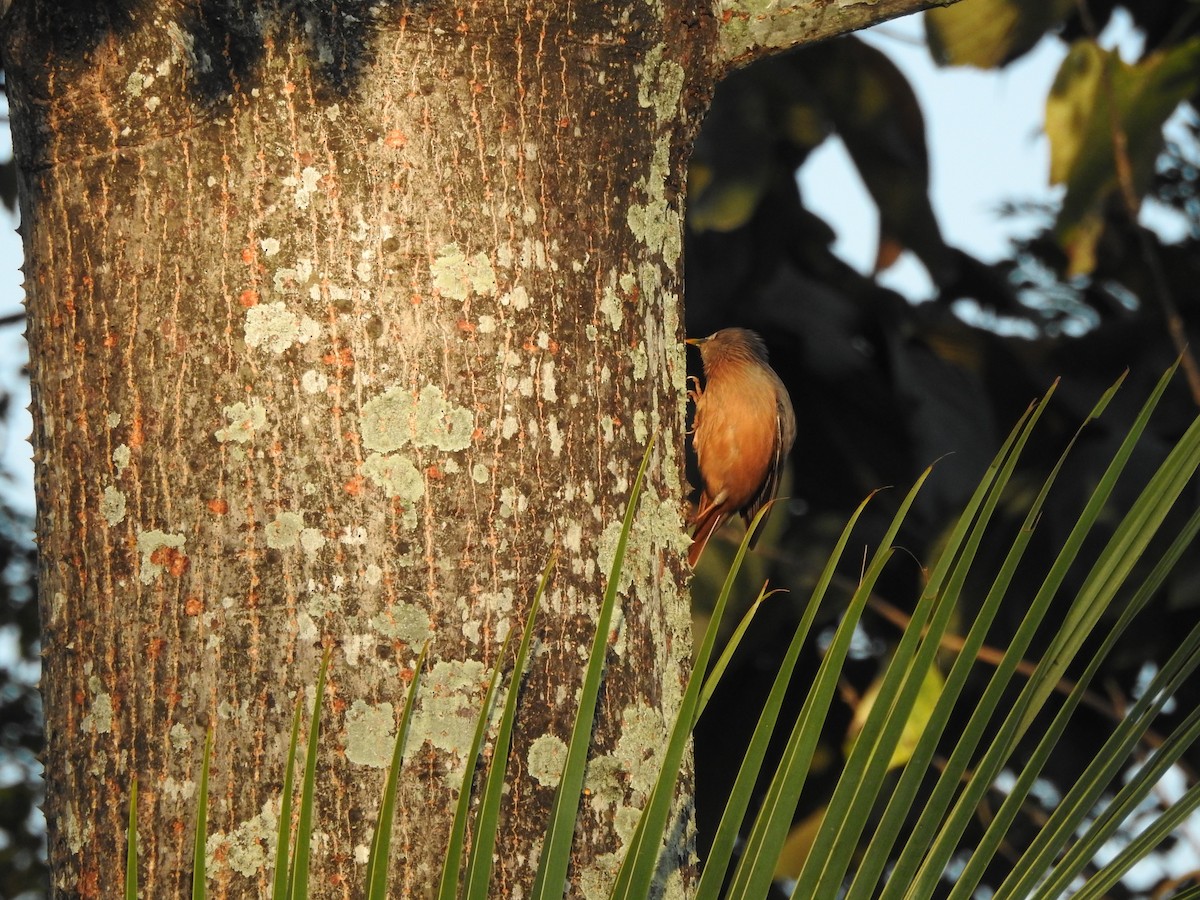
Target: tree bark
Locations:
point(343, 319)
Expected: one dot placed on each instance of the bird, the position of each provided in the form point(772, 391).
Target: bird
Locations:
point(742, 432)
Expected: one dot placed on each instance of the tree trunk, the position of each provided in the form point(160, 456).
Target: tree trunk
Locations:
point(344, 318)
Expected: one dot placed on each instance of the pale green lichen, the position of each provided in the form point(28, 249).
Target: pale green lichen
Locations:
point(625, 822)
point(656, 223)
point(404, 622)
point(640, 432)
point(673, 887)
point(545, 760)
point(608, 431)
point(512, 500)
point(312, 540)
point(178, 789)
point(112, 505)
point(642, 732)
point(497, 604)
point(660, 83)
point(120, 457)
point(549, 383)
point(270, 246)
point(181, 736)
point(292, 278)
point(480, 473)
point(641, 364)
point(137, 82)
point(228, 712)
point(573, 539)
point(314, 382)
point(112, 420)
point(306, 621)
point(649, 222)
point(100, 713)
point(396, 418)
point(305, 185)
point(284, 530)
point(245, 849)
point(150, 541)
point(596, 880)
point(605, 779)
point(457, 276)
point(518, 298)
point(75, 833)
point(370, 734)
point(275, 327)
point(610, 303)
point(396, 475)
point(243, 421)
point(447, 708)
point(657, 529)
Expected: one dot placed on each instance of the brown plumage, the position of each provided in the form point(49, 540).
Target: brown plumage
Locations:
point(742, 432)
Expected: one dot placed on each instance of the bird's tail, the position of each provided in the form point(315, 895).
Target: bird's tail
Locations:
point(705, 527)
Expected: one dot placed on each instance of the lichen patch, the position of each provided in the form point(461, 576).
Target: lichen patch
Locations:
point(160, 552)
point(370, 734)
point(458, 276)
point(242, 422)
point(284, 530)
point(112, 505)
point(275, 327)
point(396, 418)
point(545, 760)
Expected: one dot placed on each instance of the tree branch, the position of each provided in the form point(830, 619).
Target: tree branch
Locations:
point(753, 28)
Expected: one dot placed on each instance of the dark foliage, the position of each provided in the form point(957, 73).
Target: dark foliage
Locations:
point(883, 388)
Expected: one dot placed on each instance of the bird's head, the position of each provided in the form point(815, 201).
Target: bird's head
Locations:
point(730, 344)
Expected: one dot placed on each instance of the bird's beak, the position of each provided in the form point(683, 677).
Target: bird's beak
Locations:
point(695, 342)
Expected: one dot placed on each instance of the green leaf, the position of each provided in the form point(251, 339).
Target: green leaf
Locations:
point(1095, 92)
point(381, 840)
point(131, 865)
point(1144, 844)
point(893, 823)
point(462, 813)
point(556, 848)
point(1078, 806)
point(1088, 605)
point(754, 872)
point(721, 851)
point(279, 883)
point(863, 777)
point(914, 725)
point(299, 876)
point(199, 841)
point(990, 33)
point(636, 874)
point(731, 646)
point(487, 818)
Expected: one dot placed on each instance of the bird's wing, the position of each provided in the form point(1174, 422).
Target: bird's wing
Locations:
point(785, 436)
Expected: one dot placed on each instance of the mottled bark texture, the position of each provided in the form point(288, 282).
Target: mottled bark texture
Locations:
point(344, 317)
